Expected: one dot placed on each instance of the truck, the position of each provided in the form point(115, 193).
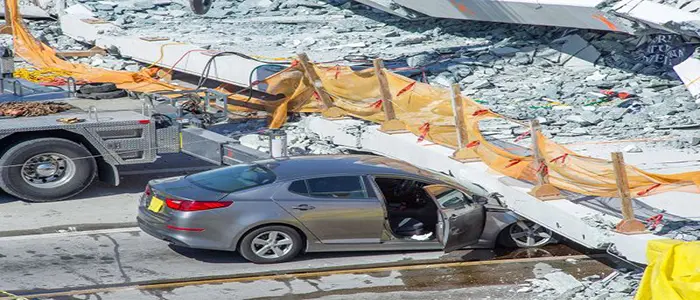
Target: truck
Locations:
point(55, 157)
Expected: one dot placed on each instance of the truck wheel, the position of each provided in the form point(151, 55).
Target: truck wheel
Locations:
point(46, 169)
point(200, 7)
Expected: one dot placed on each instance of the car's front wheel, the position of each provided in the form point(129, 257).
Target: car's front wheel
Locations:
point(525, 234)
point(271, 244)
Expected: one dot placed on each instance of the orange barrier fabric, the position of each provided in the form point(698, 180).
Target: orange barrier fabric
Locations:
point(426, 110)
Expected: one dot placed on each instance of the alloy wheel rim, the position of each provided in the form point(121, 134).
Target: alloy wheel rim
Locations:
point(529, 234)
point(48, 170)
point(272, 244)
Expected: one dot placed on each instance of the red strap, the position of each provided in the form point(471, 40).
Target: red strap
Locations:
point(473, 144)
point(317, 96)
point(480, 112)
point(423, 131)
point(337, 72)
point(610, 93)
point(644, 192)
point(376, 104)
point(406, 89)
point(294, 63)
point(521, 136)
point(654, 221)
point(543, 168)
point(560, 157)
point(623, 95)
point(513, 162)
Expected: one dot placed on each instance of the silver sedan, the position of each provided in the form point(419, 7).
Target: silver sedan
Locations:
point(273, 210)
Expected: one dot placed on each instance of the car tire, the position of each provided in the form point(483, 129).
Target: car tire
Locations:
point(92, 88)
point(525, 234)
point(279, 251)
point(68, 169)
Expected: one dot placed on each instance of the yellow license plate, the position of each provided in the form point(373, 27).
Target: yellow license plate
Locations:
point(156, 205)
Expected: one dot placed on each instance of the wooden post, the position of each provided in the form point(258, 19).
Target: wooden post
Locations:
point(543, 190)
point(330, 111)
point(7, 28)
point(462, 153)
point(628, 225)
point(391, 124)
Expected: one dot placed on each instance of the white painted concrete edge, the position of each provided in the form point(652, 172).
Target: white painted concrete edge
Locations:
point(656, 15)
point(28, 10)
point(192, 60)
point(689, 72)
point(589, 14)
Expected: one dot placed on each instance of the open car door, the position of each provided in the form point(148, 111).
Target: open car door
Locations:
point(461, 219)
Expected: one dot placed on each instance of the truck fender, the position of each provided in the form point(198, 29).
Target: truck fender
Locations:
point(107, 172)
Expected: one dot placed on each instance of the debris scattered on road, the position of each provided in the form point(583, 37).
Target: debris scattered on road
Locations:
point(552, 283)
point(679, 230)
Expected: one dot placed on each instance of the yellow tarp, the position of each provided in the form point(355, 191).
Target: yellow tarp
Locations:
point(426, 110)
point(673, 271)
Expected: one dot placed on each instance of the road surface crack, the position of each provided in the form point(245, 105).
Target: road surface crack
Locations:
point(117, 258)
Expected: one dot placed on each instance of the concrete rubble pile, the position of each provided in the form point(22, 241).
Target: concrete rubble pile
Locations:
point(300, 141)
point(577, 82)
point(552, 283)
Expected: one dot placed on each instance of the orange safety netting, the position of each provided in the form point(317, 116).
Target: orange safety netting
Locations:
point(426, 111)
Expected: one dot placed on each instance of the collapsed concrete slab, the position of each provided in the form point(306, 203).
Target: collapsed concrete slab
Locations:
point(28, 10)
point(689, 72)
point(565, 217)
point(630, 16)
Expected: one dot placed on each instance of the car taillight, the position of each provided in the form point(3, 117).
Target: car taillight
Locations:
point(188, 205)
point(147, 191)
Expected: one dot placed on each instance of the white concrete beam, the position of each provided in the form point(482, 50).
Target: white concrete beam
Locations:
point(192, 59)
point(689, 72)
point(626, 16)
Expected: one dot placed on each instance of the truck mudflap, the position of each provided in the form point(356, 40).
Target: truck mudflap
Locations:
point(216, 148)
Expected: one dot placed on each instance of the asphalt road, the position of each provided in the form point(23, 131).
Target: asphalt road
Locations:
point(495, 279)
point(90, 242)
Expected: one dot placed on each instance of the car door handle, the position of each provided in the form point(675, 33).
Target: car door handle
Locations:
point(453, 217)
point(303, 207)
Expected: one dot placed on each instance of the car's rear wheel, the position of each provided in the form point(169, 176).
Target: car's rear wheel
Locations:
point(271, 244)
point(525, 234)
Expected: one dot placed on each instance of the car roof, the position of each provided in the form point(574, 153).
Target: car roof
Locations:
point(325, 165)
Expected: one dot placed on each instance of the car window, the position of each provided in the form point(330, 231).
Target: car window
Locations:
point(337, 187)
point(452, 198)
point(234, 178)
point(299, 187)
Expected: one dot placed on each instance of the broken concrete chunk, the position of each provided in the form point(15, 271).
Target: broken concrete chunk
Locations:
point(504, 51)
point(481, 84)
point(420, 60)
point(632, 149)
point(564, 284)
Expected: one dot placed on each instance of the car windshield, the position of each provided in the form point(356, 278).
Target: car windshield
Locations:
point(473, 188)
point(234, 178)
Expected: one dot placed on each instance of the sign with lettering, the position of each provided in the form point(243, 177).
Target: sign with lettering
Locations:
point(667, 50)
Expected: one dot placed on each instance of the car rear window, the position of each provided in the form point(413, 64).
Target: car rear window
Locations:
point(234, 178)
